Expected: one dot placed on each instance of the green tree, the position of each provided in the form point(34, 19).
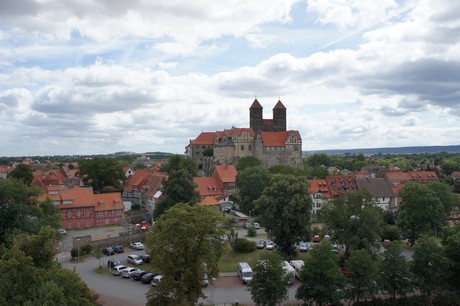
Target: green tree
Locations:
point(178, 188)
point(178, 162)
point(246, 162)
point(284, 208)
point(321, 278)
point(269, 283)
point(318, 159)
point(23, 172)
point(394, 269)
point(442, 191)
point(208, 152)
point(354, 221)
point(102, 173)
point(452, 247)
point(286, 170)
point(421, 211)
point(363, 279)
point(24, 283)
point(17, 209)
point(184, 243)
point(430, 266)
point(251, 183)
point(39, 247)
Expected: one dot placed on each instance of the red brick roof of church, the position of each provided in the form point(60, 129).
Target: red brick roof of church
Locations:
point(205, 138)
point(279, 105)
point(256, 104)
point(276, 139)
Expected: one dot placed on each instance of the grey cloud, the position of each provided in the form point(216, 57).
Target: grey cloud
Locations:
point(431, 81)
point(18, 7)
point(409, 122)
point(89, 100)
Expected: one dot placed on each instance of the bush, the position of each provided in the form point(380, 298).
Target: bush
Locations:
point(252, 232)
point(74, 253)
point(391, 232)
point(243, 245)
point(86, 249)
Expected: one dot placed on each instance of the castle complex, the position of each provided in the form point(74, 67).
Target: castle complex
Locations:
point(265, 139)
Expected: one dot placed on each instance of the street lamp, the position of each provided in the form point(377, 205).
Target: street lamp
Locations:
point(78, 249)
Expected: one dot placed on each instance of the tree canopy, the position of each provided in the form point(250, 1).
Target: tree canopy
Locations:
point(184, 243)
point(22, 172)
point(363, 279)
point(246, 162)
point(251, 183)
point(269, 283)
point(430, 266)
point(321, 278)
point(394, 269)
point(178, 188)
point(421, 211)
point(284, 208)
point(20, 212)
point(102, 173)
point(178, 162)
point(31, 278)
point(354, 220)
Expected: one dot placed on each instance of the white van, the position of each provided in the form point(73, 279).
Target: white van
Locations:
point(289, 272)
point(244, 272)
point(297, 265)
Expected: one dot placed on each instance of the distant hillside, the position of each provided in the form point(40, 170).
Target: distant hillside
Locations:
point(396, 150)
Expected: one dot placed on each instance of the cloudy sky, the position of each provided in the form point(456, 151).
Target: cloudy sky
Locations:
point(102, 76)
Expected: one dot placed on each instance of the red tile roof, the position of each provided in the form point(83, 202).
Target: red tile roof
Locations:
point(277, 139)
point(137, 180)
point(207, 186)
point(209, 201)
point(109, 200)
point(340, 184)
point(205, 138)
point(226, 173)
point(319, 186)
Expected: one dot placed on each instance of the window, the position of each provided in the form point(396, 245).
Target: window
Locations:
point(78, 214)
point(78, 224)
point(69, 214)
point(88, 213)
point(68, 201)
point(119, 212)
point(249, 147)
point(107, 221)
point(115, 220)
point(87, 224)
point(117, 203)
point(69, 225)
point(242, 147)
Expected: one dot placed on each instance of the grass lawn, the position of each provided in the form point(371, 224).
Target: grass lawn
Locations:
point(230, 259)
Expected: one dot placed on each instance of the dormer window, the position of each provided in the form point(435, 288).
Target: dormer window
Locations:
point(69, 201)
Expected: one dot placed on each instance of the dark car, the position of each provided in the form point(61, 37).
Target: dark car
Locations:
point(138, 275)
point(261, 244)
point(108, 251)
point(147, 278)
point(118, 249)
point(113, 263)
point(145, 258)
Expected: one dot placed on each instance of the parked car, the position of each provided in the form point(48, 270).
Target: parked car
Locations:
point(261, 244)
point(137, 276)
point(335, 248)
point(316, 238)
point(255, 225)
point(126, 273)
point(303, 247)
point(270, 245)
point(62, 231)
point(327, 237)
point(117, 270)
point(112, 262)
point(247, 225)
point(108, 251)
point(135, 259)
point(118, 249)
point(156, 280)
point(147, 278)
point(145, 258)
point(137, 246)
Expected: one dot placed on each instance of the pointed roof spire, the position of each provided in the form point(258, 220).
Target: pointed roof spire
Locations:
point(279, 105)
point(256, 104)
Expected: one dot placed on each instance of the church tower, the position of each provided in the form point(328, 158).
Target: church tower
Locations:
point(279, 117)
point(255, 117)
